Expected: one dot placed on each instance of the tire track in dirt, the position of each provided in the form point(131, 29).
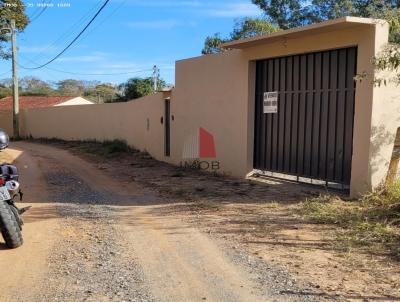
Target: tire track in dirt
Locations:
point(110, 242)
point(184, 264)
point(192, 269)
point(24, 270)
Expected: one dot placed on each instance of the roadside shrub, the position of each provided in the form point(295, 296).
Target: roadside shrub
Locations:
point(115, 146)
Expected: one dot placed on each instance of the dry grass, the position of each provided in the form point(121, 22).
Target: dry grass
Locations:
point(371, 223)
point(106, 149)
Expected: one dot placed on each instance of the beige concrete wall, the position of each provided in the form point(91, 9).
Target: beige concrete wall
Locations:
point(127, 121)
point(384, 124)
point(6, 122)
point(216, 92)
point(375, 126)
point(212, 92)
point(361, 36)
point(385, 121)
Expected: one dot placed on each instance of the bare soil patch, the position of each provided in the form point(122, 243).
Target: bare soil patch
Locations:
point(117, 240)
point(262, 219)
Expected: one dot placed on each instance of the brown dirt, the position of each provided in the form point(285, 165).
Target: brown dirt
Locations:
point(72, 237)
point(187, 238)
point(26, 267)
point(261, 219)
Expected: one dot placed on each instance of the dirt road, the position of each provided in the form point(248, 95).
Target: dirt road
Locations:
point(92, 238)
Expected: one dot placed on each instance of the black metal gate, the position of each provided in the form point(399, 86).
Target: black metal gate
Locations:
point(311, 135)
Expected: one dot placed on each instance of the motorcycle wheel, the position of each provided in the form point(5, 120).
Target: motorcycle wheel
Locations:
point(10, 228)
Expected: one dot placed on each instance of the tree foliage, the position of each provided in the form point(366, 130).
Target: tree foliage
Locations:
point(5, 91)
point(94, 91)
point(11, 9)
point(137, 87)
point(34, 86)
point(71, 87)
point(249, 27)
point(243, 28)
point(212, 44)
point(285, 14)
point(102, 93)
point(292, 13)
point(388, 58)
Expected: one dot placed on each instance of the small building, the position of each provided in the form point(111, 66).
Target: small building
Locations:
point(287, 104)
point(31, 102)
point(284, 104)
point(28, 102)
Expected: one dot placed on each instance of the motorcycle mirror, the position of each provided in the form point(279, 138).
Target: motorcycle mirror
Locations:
point(4, 140)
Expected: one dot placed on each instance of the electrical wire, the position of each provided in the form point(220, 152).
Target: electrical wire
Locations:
point(100, 74)
point(4, 73)
point(84, 74)
point(37, 10)
point(69, 31)
point(41, 12)
point(95, 74)
point(106, 18)
point(74, 40)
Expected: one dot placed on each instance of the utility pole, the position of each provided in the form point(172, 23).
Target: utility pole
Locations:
point(15, 81)
point(156, 75)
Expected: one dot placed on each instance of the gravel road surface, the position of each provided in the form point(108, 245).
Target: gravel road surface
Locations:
point(92, 238)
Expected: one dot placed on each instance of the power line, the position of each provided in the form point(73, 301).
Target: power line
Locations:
point(45, 6)
point(74, 40)
point(100, 74)
point(69, 31)
point(4, 73)
point(106, 18)
point(94, 74)
point(84, 74)
point(37, 17)
point(36, 11)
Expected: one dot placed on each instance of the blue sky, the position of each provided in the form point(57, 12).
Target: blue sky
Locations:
point(129, 35)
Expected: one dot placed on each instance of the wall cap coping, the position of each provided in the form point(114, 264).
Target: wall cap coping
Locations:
point(326, 26)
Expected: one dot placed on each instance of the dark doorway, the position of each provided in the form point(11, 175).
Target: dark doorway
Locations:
point(167, 128)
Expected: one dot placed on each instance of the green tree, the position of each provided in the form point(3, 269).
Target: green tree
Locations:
point(212, 44)
point(11, 9)
point(102, 93)
point(243, 28)
point(70, 87)
point(249, 27)
point(35, 86)
point(138, 87)
point(380, 9)
point(5, 91)
point(333, 9)
point(290, 13)
point(286, 13)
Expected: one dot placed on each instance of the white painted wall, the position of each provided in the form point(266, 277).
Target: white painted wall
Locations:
point(76, 101)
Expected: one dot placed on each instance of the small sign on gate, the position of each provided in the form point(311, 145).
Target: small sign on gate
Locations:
point(271, 102)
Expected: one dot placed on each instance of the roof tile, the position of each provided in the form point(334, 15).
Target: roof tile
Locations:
point(27, 102)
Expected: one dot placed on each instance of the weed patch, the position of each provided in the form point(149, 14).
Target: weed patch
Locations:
point(115, 146)
point(371, 223)
point(206, 205)
point(107, 149)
